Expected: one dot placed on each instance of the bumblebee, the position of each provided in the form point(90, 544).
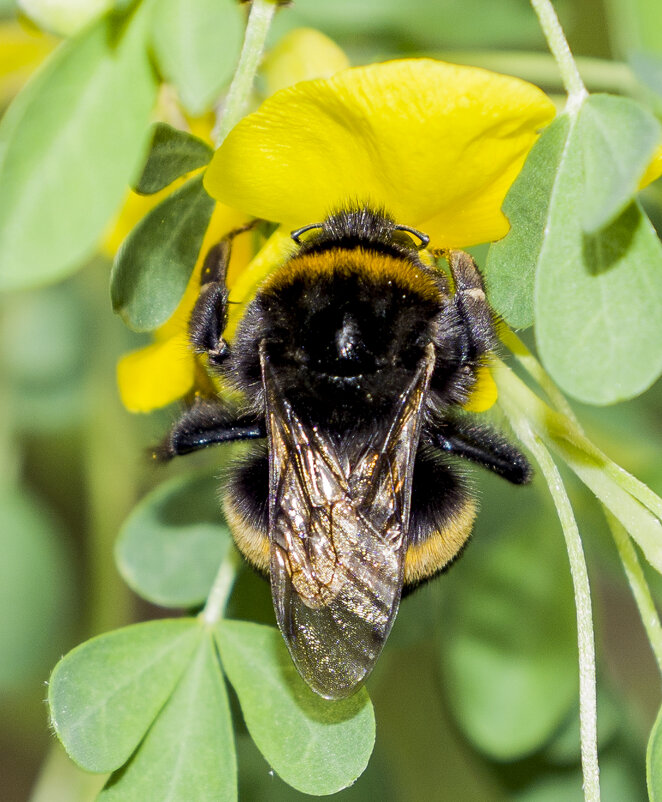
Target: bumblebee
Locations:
point(353, 361)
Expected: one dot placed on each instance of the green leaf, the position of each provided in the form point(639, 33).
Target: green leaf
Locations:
point(172, 544)
point(105, 693)
point(511, 262)
point(64, 18)
point(509, 643)
point(618, 138)
point(36, 579)
point(44, 350)
point(197, 46)
point(154, 263)
point(317, 746)
point(68, 147)
point(596, 299)
point(598, 303)
point(188, 753)
point(654, 761)
point(642, 525)
point(173, 153)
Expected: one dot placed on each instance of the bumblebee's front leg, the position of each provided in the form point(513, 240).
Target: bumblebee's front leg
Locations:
point(210, 316)
point(208, 423)
point(471, 303)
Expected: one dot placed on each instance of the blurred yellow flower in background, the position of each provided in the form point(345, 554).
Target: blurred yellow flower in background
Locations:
point(22, 50)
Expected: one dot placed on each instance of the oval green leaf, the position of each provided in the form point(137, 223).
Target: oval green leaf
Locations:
point(154, 263)
point(512, 262)
point(654, 761)
point(173, 153)
point(197, 44)
point(172, 544)
point(105, 693)
point(509, 646)
point(597, 299)
point(188, 753)
point(618, 138)
point(598, 302)
point(317, 746)
point(69, 146)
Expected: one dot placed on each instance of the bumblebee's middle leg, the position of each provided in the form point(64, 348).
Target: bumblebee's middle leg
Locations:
point(208, 423)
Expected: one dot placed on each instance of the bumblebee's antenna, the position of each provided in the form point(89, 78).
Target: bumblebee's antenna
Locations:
point(424, 238)
point(299, 231)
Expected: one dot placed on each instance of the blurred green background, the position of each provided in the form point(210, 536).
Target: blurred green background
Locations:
point(476, 693)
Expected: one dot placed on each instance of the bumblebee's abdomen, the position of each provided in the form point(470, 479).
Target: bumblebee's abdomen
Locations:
point(441, 518)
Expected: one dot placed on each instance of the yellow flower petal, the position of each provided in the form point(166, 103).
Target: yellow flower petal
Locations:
point(157, 375)
point(302, 55)
point(21, 51)
point(484, 393)
point(654, 169)
point(274, 253)
point(435, 144)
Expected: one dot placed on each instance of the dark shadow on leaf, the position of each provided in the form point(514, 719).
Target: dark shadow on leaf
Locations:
point(604, 249)
point(193, 503)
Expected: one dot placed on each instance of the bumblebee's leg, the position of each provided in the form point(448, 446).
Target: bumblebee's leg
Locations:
point(208, 423)
point(479, 444)
point(246, 505)
point(441, 518)
point(466, 333)
point(471, 303)
point(209, 316)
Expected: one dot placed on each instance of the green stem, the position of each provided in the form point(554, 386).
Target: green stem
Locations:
point(558, 45)
point(222, 588)
point(563, 425)
point(585, 640)
point(639, 586)
point(236, 102)
point(536, 371)
point(541, 68)
point(110, 468)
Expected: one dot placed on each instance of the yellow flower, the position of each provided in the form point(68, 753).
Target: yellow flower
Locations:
point(436, 145)
point(21, 51)
point(302, 55)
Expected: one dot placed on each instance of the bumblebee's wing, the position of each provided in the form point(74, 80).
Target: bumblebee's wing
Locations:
point(338, 536)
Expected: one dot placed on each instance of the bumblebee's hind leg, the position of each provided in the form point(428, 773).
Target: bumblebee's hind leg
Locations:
point(246, 505)
point(441, 519)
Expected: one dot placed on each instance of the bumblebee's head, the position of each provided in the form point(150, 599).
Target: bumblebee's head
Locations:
point(343, 328)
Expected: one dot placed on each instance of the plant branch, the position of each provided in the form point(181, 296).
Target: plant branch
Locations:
point(580, 581)
point(638, 585)
point(222, 587)
point(599, 74)
point(558, 45)
point(236, 102)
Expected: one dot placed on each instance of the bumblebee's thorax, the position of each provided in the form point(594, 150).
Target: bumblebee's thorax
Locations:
point(343, 328)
